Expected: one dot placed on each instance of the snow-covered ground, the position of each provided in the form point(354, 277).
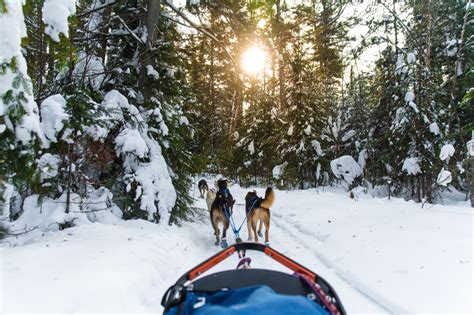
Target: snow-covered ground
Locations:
point(381, 256)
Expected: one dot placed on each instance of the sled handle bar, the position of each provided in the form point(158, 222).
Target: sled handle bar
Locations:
point(173, 292)
point(237, 247)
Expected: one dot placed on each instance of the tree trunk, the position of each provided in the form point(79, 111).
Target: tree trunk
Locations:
point(151, 19)
point(281, 70)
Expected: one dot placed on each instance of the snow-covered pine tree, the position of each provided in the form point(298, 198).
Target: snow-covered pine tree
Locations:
point(300, 115)
point(20, 130)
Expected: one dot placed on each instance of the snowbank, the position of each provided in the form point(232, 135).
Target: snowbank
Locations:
point(50, 214)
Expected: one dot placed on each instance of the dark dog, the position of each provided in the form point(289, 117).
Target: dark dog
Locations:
point(258, 209)
point(203, 188)
point(221, 210)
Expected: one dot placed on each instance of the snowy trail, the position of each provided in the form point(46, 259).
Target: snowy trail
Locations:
point(296, 244)
point(380, 256)
point(357, 296)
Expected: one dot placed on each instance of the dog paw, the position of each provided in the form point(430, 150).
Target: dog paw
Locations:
point(260, 234)
point(267, 243)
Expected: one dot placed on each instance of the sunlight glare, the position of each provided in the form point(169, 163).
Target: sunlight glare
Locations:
point(253, 60)
point(261, 23)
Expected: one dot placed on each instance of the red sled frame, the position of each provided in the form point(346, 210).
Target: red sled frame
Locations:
point(174, 295)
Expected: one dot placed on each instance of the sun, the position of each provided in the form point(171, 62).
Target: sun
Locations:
point(253, 60)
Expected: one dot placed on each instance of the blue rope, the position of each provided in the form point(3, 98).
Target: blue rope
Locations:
point(231, 219)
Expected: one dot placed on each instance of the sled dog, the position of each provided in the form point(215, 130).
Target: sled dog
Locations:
point(221, 209)
point(258, 209)
point(203, 188)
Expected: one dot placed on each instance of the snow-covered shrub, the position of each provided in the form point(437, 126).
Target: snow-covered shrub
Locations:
point(19, 116)
point(48, 214)
point(346, 168)
point(48, 166)
point(412, 166)
point(145, 169)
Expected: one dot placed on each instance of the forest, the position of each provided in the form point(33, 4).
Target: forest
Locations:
point(125, 103)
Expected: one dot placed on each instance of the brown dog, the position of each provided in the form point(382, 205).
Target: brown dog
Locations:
point(221, 209)
point(258, 209)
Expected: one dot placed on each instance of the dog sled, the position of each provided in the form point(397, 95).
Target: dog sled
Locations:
point(251, 291)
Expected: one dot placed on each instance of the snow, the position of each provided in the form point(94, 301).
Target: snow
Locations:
point(446, 152)
point(141, 154)
point(150, 71)
point(7, 192)
point(52, 116)
point(399, 62)
point(409, 96)
point(12, 29)
point(113, 104)
point(290, 131)
point(411, 58)
point(130, 141)
point(29, 125)
point(346, 168)
point(412, 166)
point(251, 147)
point(307, 130)
point(459, 70)
point(48, 165)
point(451, 47)
point(400, 67)
point(90, 70)
point(348, 135)
point(381, 256)
point(434, 129)
point(444, 178)
point(183, 120)
point(317, 147)
point(153, 177)
point(55, 16)
point(362, 160)
point(278, 170)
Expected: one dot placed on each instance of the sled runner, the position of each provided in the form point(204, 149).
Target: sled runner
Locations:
point(251, 291)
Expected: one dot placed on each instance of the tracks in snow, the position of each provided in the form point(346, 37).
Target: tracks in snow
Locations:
point(348, 282)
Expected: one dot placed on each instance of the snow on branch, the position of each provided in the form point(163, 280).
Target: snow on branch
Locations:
point(55, 16)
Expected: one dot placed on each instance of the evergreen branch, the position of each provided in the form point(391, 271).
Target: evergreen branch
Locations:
point(200, 29)
point(128, 29)
point(110, 3)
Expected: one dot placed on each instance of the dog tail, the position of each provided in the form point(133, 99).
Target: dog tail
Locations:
point(269, 198)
